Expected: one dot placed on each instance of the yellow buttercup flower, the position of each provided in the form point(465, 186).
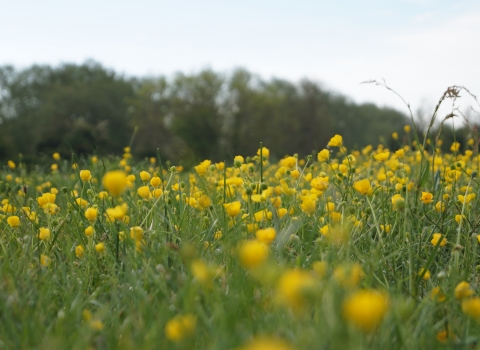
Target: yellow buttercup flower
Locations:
point(363, 187)
point(471, 307)
point(13, 221)
point(44, 233)
point(293, 287)
point(382, 156)
point(323, 155)
point(252, 253)
point(436, 238)
point(232, 209)
point(115, 182)
point(266, 235)
point(180, 327)
point(335, 141)
point(426, 198)
point(463, 290)
point(85, 175)
point(366, 309)
point(91, 214)
point(79, 251)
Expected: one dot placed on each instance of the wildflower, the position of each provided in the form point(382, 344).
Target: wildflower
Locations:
point(85, 175)
point(382, 156)
point(319, 183)
point(426, 198)
point(136, 233)
point(45, 260)
point(232, 209)
point(56, 156)
point(323, 155)
point(115, 182)
point(44, 233)
point(91, 214)
point(100, 247)
point(366, 309)
point(96, 325)
point(265, 152)
point(266, 235)
point(436, 238)
point(406, 128)
point(204, 202)
point(79, 251)
point(463, 290)
point(308, 206)
point(155, 181)
point(437, 295)
point(201, 272)
point(335, 141)
point(293, 287)
point(13, 221)
point(471, 307)
point(363, 187)
point(201, 169)
point(395, 135)
point(144, 192)
point(426, 274)
point(459, 218)
point(252, 253)
point(11, 164)
point(349, 276)
point(440, 207)
point(118, 212)
point(145, 175)
point(180, 327)
point(89, 231)
point(455, 147)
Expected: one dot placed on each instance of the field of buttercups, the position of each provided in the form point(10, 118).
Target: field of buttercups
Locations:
point(344, 249)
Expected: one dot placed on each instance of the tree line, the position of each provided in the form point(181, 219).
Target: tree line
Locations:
point(88, 109)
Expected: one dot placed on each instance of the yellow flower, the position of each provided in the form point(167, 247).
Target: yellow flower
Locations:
point(136, 233)
point(308, 206)
point(265, 152)
point(79, 251)
point(180, 327)
point(89, 231)
point(436, 238)
point(201, 272)
point(293, 287)
point(395, 135)
point(232, 209)
point(463, 290)
point(266, 235)
point(100, 247)
point(155, 181)
point(13, 221)
point(11, 164)
point(426, 275)
point(349, 276)
point(440, 207)
point(382, 156)
point(366, 309)
point(45, 260)
point(323, 155)
point(335, 141)
point(266, 343)
point(56, 156)
point(363, 186)
point(204, 202)
point(319, 183)
point(118, 212)
point(426, 198)
point(252, 253)
point(471, 307)
point(85, 175)
point(144, 192)
point(44, 233)
point(115, 182)
point(145, 175)
point(455, 147)
point(437, 295)
point(406, 128)
point(91, 214)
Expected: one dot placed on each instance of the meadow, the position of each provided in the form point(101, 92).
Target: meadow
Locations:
point(373, 248)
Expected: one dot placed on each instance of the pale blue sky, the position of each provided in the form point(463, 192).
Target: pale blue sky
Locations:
point(419, 46)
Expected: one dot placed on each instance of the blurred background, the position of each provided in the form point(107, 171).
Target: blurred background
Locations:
point(212, 79)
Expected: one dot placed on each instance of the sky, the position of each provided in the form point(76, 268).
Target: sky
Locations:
point(419, 47)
